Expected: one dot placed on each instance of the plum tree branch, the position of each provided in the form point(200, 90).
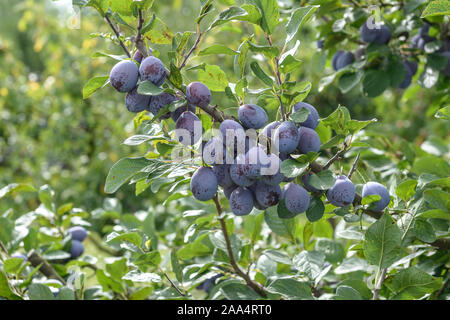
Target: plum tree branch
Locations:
point(254, 285)
point(124, 47)
point(194, 46)
point(46, 269)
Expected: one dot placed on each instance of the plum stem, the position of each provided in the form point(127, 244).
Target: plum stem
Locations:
point(254, 285)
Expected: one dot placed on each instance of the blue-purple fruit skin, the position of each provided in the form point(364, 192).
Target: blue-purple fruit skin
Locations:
point(124, 76)
point(384, 35)
point(344, 60)
point(238, 175)
point(296, 198)
point(138, 56)
point(222, 172)
point(305, 181)
point(76, 249)
point(214, 152)
point(198, 94)
point(255, 160)
point(241, 201)
point(342, 193)
point(371, 188)
point(152, 69)
point(233, 127)
point(188, 121)
point(335, 58)
point(204, 184)
point(160, 101)
point(320, 43)
point(287, 134)
point(252, 116)
point(378, 34)
point(19, 256)
point(267, 195)
point(313, 118)
point(309, 140)
point(176, 114)
point(270, 129)
point(136, 102)
point(407, 79)
point(209, 283)
point(228, 190)
point(276, 178)
point(78, 233)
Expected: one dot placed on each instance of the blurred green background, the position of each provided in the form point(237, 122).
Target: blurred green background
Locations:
point(50, 135)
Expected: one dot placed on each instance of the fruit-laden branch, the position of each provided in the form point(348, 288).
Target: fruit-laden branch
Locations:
point(254, 285)
point(46, 269)
point(124, 47)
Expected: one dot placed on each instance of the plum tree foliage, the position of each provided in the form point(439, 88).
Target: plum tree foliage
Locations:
point(312, 206)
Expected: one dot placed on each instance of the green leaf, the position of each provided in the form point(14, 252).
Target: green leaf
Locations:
point(323, 180)
point(13, 265)
point(213, 77)
point(333, 251)
point(66, 293)
point(131, 237)
point(282, 227)
point(315, 210)
point(175, 76)
point(259, 72)
point(269, 14)
point(93, 85)
point(413, 283)
point(370, 199)
point(443, 113)
point(292, 168)
point(347, 293)
point(349, 80)
point(218, 240)
point(124, 170)
point(424, 231)
point(148, 88)
point(16, 187)
point(217, 49)
point(268, 51)
point(300, 116)
point(432, 165)
point(137, 276)
point(338, 120)
point(283, 212)
point(39, 291)
point(297, 19)
point(159, 33)
point(382, 242)
point(375, 82)
point(406, 189)
point(148, 259)
point(291, 289)
point(310, 263)
point(100, 5)
point(437, 198)
point(238, 291)
point(436, 8)
point(123, 7)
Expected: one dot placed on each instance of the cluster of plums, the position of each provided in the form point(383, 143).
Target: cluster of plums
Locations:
point(79, 234)
point(126, 76)
point(381, 34)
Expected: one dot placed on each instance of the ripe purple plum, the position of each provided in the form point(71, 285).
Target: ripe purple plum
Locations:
point(344, 60)
point(204, 184)
point(136, 102)
point(222, 172)
point(309, 140)
point(371, 188)
point(238, 175)
point(228, 190)
point(138, 56)
point(241, 201)
point(160, 101)
point(252, 116)
point(176, 114)
point(267, 195)
point(152, 69)
point(287, 135)
point(78, 233)
point(271, 174)
point(214, 152)
point(188, 128)
point(342, 193)
point(313, 118)
point(124, 76)
point(76, 249)
point(296, 198)
point(198, 94)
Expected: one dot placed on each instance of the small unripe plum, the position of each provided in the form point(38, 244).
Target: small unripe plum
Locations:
point(198, 94)
point(313, 118)
point(136, 102)
point(138, 56)
point(76, 249)
point(267, 195)
point(252, 116)
point(222, 172)
point(241, 201)
point(78, 233)
point(124, 76)
point(188, 123)
point(204, 184)
point(371, 188)
point(287, 135)
point(238, 175)
point(152, 69)
point(342, 193)
point(335, 58)
point(176, 114)
point(344, 60)
point(309, 140)
point(296, 198)
point(160, 101)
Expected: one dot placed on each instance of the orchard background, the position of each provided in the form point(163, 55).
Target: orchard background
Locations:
point(72, 155)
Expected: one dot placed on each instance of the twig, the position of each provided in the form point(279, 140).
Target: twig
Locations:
point(124, 47)
point(442, 289)
point(46, 269)
point(337, 156)
point(197, 42)
point(379, 284)
point(254, 285)
point(172, 284)
point(353, 166)
point(278, 77)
